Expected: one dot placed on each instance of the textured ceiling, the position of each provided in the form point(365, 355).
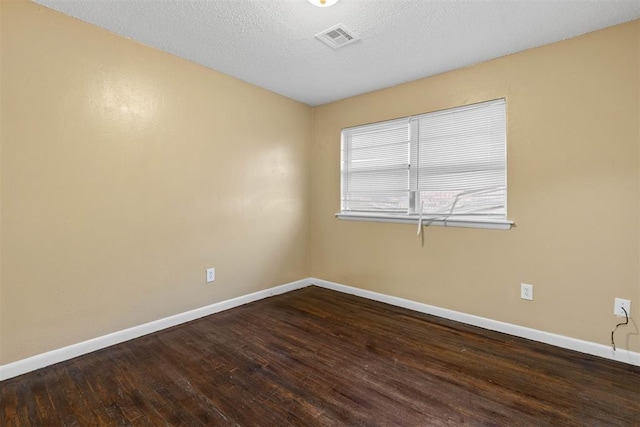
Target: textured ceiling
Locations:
point(271, 43)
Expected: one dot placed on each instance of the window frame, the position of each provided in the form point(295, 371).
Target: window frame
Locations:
point(414, 215)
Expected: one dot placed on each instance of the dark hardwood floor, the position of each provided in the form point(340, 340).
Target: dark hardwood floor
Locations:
point(318, 357)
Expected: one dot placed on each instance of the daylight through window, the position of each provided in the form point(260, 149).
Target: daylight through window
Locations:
point(448, 167)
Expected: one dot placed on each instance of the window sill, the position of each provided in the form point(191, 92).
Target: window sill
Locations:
point(494, 224)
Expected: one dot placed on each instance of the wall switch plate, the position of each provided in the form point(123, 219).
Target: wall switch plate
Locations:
point(618, 304)
point(526, 291)
point(211, 275)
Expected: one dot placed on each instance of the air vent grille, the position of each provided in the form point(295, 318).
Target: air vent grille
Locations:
point(337, 36)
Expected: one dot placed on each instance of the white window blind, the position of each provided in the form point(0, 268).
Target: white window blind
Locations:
point(447, 166)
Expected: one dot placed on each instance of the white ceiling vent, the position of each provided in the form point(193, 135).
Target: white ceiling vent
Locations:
point(337, 36)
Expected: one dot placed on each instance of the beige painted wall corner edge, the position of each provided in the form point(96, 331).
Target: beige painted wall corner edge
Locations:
point(33, 363)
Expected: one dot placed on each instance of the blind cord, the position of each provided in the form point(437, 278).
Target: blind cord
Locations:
point(626, 315)
point(430, 220)
point(445, 217)
point(455, 201)
point(420, 218)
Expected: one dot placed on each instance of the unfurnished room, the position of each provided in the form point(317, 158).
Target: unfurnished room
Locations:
point(320, 212)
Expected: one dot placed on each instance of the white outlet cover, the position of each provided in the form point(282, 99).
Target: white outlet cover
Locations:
point(618, 304)
point(526, 291)
point(211, 275)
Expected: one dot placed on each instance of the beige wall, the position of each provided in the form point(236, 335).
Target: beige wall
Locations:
point(126, 172)
point(573, 174)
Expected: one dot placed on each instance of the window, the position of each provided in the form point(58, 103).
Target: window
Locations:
point(444, 168)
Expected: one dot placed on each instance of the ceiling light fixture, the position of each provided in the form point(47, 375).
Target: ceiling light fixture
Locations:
point(323, 3)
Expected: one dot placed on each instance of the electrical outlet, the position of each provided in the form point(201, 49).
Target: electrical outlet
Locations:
point(618, 304)
point(526, 291)
point(211, 275)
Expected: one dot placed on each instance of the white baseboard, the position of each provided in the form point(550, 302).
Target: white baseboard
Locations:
point(23, 366)
point(587, 347)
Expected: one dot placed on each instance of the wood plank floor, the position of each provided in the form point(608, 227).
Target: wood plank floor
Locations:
point(318, 357)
